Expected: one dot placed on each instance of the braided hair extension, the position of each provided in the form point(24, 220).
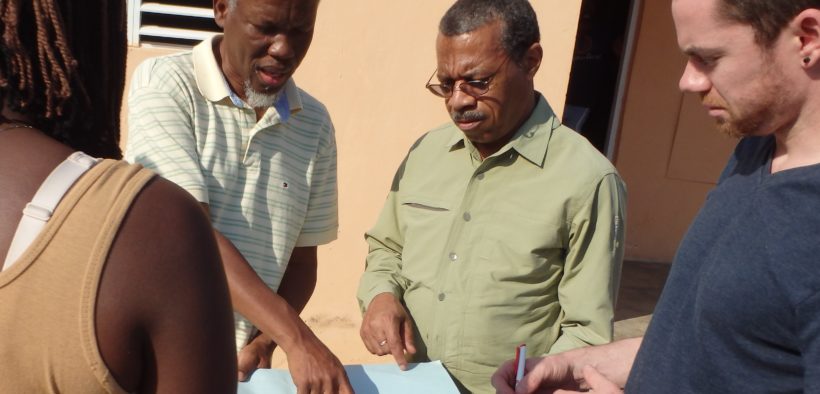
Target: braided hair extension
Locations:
point(62, 63)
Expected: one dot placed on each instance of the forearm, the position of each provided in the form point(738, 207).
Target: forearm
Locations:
point(299, 280)
point(251, 297)
point(298, 283)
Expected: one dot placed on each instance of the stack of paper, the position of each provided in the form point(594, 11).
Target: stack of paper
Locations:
point(428, 378)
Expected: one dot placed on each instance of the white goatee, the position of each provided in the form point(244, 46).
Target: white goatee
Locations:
point(258, 99)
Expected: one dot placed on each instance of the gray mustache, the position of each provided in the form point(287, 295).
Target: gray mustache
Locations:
point(468, 116)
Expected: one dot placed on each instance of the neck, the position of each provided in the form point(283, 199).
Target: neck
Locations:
point(798, 146)
point(9, 116)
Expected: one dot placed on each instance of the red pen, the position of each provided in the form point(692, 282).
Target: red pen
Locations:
point(520, 362)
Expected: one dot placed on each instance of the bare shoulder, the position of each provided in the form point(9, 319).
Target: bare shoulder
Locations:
point(165, 214)
point(164, 233)
point(163, 296)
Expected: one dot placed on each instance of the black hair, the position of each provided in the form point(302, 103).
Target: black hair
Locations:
point(62, 63)
point(519, 30)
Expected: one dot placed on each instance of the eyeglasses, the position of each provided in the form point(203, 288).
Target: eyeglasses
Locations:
point(474, 87)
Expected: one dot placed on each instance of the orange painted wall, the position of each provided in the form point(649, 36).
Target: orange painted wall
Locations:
point(668, 152)
point(368, 63)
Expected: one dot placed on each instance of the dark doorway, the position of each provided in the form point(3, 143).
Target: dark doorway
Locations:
point(600, 47)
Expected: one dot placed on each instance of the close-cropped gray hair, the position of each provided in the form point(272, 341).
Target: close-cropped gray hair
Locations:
point(232, 4)
point(519, 24)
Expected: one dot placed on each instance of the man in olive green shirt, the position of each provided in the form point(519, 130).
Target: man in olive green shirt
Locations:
point(502, 228)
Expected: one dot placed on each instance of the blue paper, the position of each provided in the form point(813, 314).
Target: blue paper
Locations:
point(428, 378)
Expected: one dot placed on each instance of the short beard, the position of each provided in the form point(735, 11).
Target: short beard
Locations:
point(760, 112)
point(752, 121)
point(257, 99)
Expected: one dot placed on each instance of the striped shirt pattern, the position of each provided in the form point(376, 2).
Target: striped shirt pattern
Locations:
point(270, 185)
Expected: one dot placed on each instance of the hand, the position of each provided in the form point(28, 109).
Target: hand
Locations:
point(386, 329)
point(255, 355)
point(542, 374)
point(315, 369)
point(597, 383)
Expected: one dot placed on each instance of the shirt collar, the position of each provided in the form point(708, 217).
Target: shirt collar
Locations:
point(213, 86)
point(530, 140)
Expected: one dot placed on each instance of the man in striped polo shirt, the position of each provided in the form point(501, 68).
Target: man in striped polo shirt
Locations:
point(226, 122)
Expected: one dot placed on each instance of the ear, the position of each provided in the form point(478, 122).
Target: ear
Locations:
point(532, 59)
point(220, 12)
point(806, 27)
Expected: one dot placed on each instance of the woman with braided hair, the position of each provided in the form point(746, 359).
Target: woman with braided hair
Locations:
point(110, 279)
point(77, 104)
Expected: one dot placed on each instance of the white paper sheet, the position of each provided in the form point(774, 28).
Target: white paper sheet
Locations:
point(427, 378)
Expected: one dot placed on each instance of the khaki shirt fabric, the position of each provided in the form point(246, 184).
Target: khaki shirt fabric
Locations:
point(48, 340)
point(522, 247)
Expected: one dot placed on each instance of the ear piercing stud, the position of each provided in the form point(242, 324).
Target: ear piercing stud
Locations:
point(806, 60)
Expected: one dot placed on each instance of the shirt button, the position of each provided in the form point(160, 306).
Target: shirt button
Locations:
point(467, 216)
point(441, 296)
point(453, 257)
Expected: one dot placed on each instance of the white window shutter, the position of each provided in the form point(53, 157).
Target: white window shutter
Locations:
point(178, 22)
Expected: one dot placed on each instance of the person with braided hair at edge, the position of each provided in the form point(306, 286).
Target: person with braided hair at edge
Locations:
point(740, 311)
point(501, 227)
point(110, 281)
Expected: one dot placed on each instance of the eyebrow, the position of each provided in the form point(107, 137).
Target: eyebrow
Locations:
point(470, 75)
point(702, 52)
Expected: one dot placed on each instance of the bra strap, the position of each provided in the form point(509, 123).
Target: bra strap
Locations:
point(37, 213)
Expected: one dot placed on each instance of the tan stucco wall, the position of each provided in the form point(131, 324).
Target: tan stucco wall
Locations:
point(368, 63)
point(668, 154)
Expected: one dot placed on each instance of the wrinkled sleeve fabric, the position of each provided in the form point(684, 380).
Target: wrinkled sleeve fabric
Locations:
point(161, 133)
point(588, 289)
point(385, 242)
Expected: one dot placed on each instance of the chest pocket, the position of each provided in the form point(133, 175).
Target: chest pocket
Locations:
point(425, 222)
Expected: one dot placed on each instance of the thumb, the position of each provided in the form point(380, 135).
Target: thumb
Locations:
point(598, 382)
point(409, 344)
point(534, 376)
point(245, 365)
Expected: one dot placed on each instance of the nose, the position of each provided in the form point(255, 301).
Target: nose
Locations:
point(693, 79)
point(460, 101)
point(280, 47)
